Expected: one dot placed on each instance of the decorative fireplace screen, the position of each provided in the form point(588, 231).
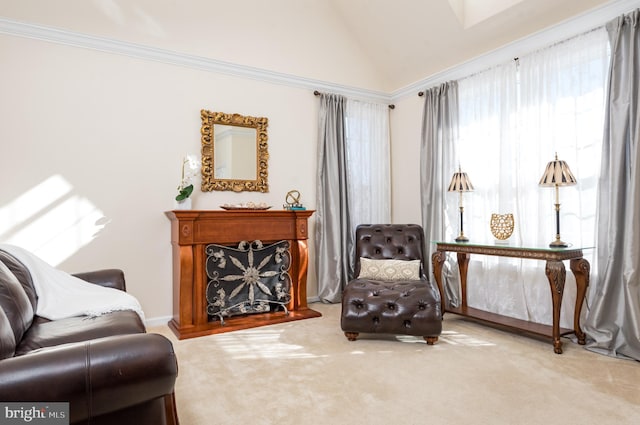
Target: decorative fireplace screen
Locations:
point(249, 279)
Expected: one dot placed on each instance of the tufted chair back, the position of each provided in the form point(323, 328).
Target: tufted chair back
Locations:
point(396, 306)
point(389, 242)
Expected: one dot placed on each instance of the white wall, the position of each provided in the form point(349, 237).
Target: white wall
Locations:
point(405, 124)
point(114, 129)
point(91, 141)
point(304, 38)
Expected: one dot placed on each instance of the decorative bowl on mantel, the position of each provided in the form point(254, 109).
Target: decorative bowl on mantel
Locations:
point(247, 206)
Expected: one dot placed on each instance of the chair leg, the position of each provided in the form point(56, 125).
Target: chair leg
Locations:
point(170, 409)
point(431, 339)
point(351, 336)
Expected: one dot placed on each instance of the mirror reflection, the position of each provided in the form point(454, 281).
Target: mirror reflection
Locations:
point(234, 152)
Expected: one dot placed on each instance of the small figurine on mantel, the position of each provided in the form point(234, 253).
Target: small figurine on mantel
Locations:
point(293, 201)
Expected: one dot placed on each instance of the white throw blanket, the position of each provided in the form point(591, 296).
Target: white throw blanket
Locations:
point(61, 295)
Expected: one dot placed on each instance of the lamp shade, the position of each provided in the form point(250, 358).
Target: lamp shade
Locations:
point(557, 173)
point(460, 182)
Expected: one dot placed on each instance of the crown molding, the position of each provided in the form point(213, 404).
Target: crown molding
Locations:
point(573, 26)
point(561, 31)
point(139, 51)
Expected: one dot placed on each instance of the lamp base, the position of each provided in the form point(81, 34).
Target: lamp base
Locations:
point(462, 238)
point(558, 244)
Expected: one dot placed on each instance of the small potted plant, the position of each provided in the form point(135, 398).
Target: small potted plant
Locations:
point(190, 169)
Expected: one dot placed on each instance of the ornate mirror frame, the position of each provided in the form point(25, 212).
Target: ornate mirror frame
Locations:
point(209, 181)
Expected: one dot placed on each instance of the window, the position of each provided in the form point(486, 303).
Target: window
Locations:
point(513, 119)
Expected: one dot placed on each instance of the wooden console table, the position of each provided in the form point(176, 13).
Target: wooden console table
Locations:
point(193, 230)
point(554, 270)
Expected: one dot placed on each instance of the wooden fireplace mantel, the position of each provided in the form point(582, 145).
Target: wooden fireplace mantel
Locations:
point(192, 230)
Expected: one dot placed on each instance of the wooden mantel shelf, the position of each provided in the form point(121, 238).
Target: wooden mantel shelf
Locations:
point(192, 230)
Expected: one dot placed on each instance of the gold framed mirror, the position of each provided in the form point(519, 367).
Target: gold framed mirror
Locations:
point(234, 152)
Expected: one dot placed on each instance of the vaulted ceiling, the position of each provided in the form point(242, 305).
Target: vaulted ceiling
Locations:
point(377, 45)
point(408, 40)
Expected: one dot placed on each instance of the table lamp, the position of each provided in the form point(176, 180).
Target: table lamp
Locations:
point(557, 174)
point(460, 183)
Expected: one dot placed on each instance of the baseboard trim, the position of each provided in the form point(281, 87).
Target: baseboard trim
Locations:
point(157, 321)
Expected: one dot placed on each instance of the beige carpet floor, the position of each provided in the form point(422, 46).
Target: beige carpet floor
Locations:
point(307, 372)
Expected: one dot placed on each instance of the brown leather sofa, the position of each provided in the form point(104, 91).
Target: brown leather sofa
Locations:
point(399, 305)
point(107, 367)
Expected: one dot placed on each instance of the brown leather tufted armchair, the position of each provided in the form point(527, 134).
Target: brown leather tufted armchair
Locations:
point(398, 306)
point(107, 367)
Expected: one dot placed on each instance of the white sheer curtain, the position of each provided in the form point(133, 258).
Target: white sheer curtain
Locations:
point(367, 134)
point(513, 119)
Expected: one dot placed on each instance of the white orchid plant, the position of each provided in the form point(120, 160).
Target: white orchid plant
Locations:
point(190, 169)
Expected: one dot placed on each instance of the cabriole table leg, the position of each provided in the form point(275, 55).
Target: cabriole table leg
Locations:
point(437, 259)
point(556, 274)
point(580, 268)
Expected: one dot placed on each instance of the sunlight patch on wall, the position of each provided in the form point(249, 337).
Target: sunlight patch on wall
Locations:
point(130, 15)
point(471, 12)
point(31, 203)
point(50, 220)
point(112, 10)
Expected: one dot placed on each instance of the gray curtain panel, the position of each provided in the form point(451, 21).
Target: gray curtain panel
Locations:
point(437, 164)
point(613, 321)
point(334, 237)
